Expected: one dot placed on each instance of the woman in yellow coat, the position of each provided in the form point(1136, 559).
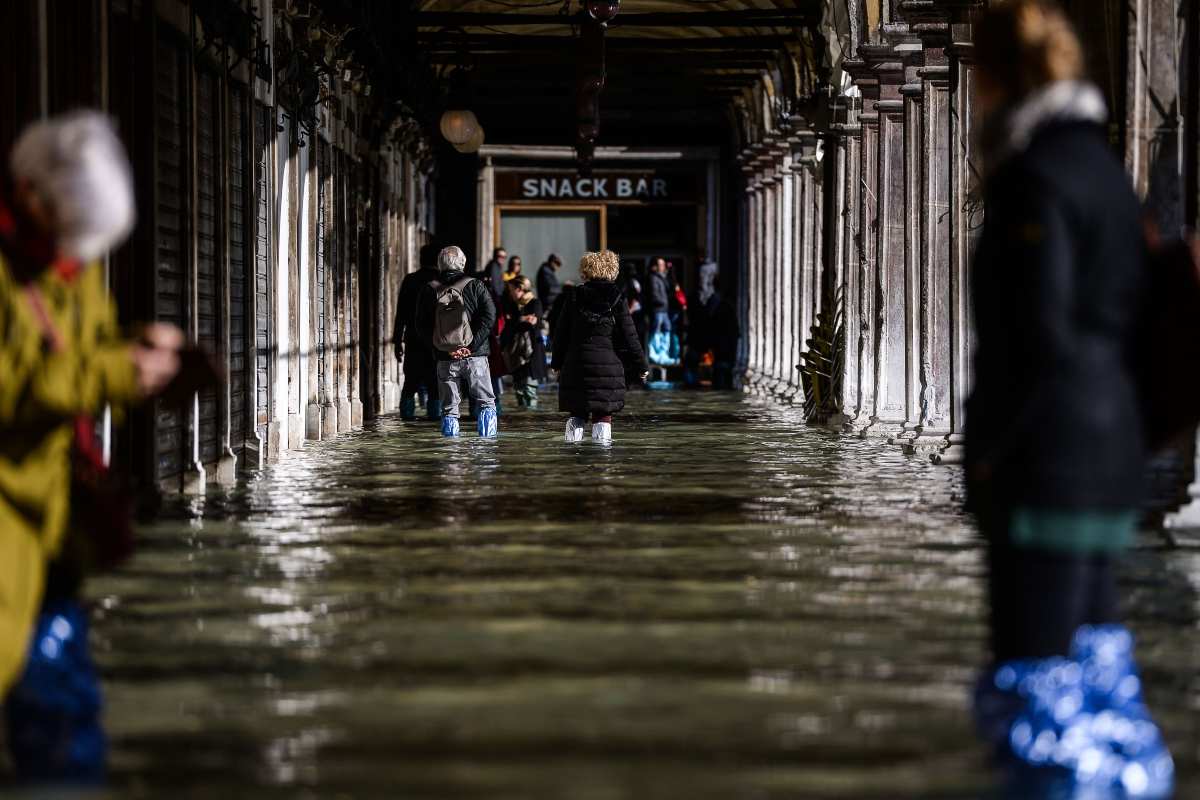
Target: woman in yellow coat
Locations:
point(69, 199)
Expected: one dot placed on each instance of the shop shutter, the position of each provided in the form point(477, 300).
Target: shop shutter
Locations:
point(323, 156)
point(264, 133)
point(239, 263)
point(170, 301)
point(208, 284)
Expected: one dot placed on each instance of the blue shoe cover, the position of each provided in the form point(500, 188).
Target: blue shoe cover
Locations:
point(487, 425)
point(52, 714)
point(433, 408)
point(1079, 721)
point(408, 408)
point(449, 427)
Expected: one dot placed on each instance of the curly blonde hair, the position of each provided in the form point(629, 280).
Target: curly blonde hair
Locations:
point(602, 266)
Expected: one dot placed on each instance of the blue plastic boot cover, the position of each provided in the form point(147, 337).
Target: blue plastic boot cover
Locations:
point(1079, 720)
point(408, 408)
point(488, 428)
point(449, 426)
point(52, 714)
point(433, 407)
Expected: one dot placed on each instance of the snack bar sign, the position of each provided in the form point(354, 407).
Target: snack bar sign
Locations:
point(643, 187)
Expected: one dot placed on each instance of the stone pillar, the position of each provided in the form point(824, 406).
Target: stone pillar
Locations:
point(863, 338)
point(769, 181)
point(746, 226)
point(888, 414)
point(803, 158)
point(930, 87)
point(845, 141)
point(780, 249)
point(789, 341)
point(966, 211)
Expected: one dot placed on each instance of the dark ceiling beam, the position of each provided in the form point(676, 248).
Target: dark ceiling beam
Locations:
point(453, 42)
point(743, 59)
point(749, 18)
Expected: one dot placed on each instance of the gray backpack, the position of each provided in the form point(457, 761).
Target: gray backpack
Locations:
point(451, 320)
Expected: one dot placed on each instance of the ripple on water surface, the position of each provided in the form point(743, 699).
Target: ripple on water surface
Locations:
point(723, 604)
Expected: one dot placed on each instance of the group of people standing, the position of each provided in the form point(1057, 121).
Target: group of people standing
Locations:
point(460, 333)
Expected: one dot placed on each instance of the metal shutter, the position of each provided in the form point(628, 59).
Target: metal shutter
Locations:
point(264, 132)
point(170, 301)
point(208, 285)
point(239, 263)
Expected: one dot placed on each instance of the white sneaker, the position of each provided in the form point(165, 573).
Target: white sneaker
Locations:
point(574, 432)
point(602, 433)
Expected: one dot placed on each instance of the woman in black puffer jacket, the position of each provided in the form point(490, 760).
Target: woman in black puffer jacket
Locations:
point(595, 347)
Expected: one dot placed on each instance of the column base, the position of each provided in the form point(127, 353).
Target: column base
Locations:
point(296, 427)
point(1185, 518)
point(225, 470)
point(343, 415)
point(881, 429)
point(356, 414)
point(195, 480)
point(329, 421)
point(312, 422)
point(927, 440)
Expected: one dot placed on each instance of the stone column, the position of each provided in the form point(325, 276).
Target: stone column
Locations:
point(769, 180)
point(846, 142)
point(888, 413)
point(966, 211)
point(864, 338)
point(929, 80)
point(789, 341)
point(803, 158)
point(746, 225)
point(780, 250)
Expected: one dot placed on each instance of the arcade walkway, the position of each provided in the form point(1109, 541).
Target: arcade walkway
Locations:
point(724, 604)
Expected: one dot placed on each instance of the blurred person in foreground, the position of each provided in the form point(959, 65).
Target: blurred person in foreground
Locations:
point(420, 367)
point(1055, 450)
point(68, 200)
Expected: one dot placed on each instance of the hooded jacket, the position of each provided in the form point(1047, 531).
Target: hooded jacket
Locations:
point(478, 302)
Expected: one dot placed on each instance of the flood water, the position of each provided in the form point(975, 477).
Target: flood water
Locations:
point(724, 604)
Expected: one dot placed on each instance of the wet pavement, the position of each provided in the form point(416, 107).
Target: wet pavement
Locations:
point(724, 604)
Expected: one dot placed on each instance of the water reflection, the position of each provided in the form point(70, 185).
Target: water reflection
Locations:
point(722, 604)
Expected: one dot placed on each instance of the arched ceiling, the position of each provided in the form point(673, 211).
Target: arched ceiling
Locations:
point(674, 67)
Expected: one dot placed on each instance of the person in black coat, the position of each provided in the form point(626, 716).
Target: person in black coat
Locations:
point(525, 322)
point(420, 369)
point(548, 285)
point(1055, 452)
point(492, 274)
point(595, 348)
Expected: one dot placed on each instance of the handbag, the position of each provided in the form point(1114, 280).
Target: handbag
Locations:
point(100, 535)
point(519, 351)
point(1170, 344)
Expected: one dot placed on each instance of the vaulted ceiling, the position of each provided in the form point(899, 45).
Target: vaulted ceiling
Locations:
point(673, 66)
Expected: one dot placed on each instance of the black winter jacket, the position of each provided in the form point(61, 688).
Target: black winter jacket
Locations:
point(658, 293)
point(478, 301)
point(1057, 284)
point(595, 358)
point(411, 347)
point(548, 286)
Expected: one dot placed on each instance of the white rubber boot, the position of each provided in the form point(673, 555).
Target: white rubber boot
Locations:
point(602, 433)
point(574, 432)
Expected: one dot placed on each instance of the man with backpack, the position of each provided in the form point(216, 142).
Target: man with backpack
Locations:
point(456, 315)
